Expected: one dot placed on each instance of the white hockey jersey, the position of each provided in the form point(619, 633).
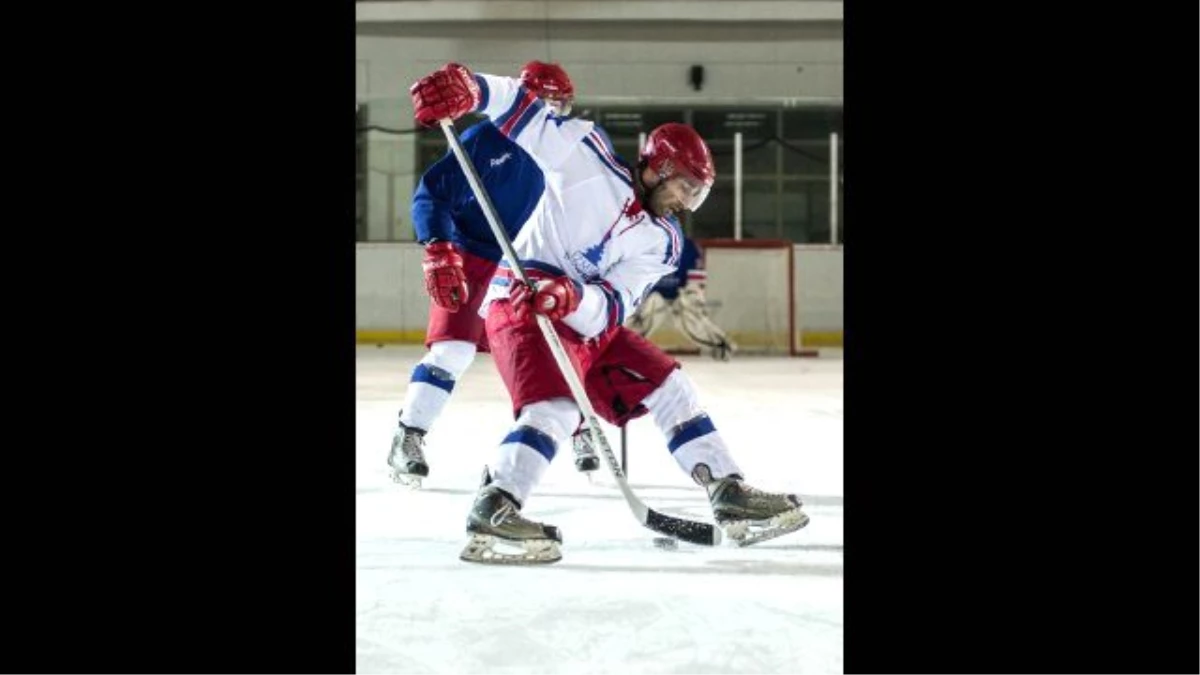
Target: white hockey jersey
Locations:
point(590, 225)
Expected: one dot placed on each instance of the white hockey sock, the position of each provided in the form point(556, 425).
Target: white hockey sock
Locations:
point(526, 451)
point(432, 382)
point(691, 436)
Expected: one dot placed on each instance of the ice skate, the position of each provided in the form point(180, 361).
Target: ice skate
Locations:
point(585, 456)
point(407, 457)
point(500, 535)
point(746, 514)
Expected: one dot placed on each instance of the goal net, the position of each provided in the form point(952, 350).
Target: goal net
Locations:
point(750, 293)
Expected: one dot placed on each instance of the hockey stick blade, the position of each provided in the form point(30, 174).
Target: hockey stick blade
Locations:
point(684, 530)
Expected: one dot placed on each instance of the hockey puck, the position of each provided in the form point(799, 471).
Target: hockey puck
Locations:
point(666, 543)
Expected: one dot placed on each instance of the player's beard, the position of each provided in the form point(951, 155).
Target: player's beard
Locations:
point(654, 200)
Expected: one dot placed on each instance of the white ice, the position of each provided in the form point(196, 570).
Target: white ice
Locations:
point(615, 603)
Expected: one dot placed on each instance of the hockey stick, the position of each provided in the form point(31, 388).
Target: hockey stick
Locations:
point(687, 530)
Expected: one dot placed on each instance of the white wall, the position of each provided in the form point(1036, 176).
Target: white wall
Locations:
point(391, 299)
point(818, 288)
point(390, 288)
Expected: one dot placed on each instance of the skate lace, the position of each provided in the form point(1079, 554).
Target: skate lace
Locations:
point(753, 491)
point(753, 495)
point(502, 514)
point(412, 448)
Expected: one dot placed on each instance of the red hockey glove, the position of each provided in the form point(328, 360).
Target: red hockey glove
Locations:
point(554, 298)
point(444, 278)
point(448, 92)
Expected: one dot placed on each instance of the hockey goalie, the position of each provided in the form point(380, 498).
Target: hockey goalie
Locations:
point(681, 296)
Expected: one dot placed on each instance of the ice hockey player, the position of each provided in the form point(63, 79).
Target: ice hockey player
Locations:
point(603, 235)
point(680, 295)
point(460, 257)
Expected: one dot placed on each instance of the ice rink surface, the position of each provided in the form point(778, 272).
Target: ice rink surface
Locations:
point(615, 603)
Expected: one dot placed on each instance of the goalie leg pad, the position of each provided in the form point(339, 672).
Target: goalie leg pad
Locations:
point(691, 317)
point(650, 315)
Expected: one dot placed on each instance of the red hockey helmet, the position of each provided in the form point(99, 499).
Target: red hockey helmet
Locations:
point(675, 150)
point(550, 81)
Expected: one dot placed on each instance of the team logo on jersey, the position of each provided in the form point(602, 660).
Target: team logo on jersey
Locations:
point(501, 159)
point(583, 264)
point(587, 261)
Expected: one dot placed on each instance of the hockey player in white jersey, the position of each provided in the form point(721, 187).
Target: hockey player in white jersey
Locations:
point(603, 235)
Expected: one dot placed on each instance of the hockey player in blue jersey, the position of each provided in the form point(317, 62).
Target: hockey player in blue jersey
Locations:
point(680, 295)
point(461, 255)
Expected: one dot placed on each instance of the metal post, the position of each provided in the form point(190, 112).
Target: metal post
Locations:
point(737, 185)
point(624, 459)
point(833, 188)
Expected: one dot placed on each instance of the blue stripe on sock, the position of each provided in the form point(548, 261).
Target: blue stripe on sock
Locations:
point(422, 373)
point(690, 431)
point(534, 439)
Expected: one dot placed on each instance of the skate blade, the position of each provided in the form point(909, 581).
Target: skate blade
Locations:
point(489, 550)
point(750, 532)
point(409, 480)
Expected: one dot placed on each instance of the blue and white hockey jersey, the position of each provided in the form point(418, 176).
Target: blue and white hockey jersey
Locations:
point(444, 207)
point(590, 224)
